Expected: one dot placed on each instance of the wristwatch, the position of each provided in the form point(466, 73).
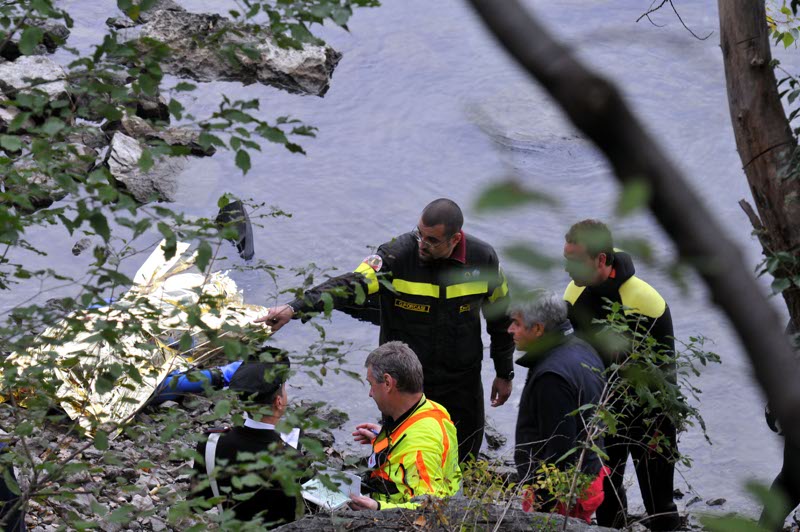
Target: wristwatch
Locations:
point(509, 376)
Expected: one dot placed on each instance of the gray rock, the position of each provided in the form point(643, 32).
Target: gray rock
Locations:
point(323, 436)
point(199, 44)
point(144, 16)
point(142, 503)
point(716, 502)
point(494, 439)
point(152, 108)
point(141, 129)
point(333, 418)
point(157, 183)
point(81, 245)
point(89, 136)
point(157, 524)
point(33, 73)
point(43, 190)
point(55, 34)
point(7, 115)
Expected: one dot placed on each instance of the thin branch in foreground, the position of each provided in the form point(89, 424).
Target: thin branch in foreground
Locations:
point(597, 108)
point(652, 9)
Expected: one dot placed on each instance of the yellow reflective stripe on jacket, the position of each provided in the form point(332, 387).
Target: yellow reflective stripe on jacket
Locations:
point(415, 289)
point(641, 298)
point(371, 277)
point(467, 289)
point(501, 291)
point(573, 292)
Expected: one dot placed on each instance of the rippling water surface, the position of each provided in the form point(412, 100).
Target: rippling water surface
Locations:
point(424, 104)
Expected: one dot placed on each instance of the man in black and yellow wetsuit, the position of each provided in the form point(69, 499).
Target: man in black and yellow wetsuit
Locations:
point(415, 449)
point(600, 273)
point(432, 285)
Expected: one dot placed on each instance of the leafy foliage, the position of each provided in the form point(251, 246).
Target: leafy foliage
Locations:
point(50, 178)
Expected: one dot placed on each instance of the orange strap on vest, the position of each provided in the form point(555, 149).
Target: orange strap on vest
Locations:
point(436, 414)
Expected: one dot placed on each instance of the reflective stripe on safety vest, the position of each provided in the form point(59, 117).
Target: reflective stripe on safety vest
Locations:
point(435, 412)
point(415, 289)
point(371, 276)
point(467, 289)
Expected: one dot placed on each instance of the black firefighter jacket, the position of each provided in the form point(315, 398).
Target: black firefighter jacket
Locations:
point(434, 307)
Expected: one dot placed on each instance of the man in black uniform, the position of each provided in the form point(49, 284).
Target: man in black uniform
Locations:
point(432, 284)
point(600, 273)
point(263, 384)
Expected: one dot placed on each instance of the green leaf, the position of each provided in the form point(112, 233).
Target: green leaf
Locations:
point(634, 196)
point(203, 255)
point(243, 160)
point(729, 524)
point(100, 225)
point(10, 143)
point(780, 284)
point(272, 134)
point(101, 440)
point(530, 257)
point(185, 87)
point(31, 37)
point(146, 161)
point(52, 126)
point(508, 195)
point(787, 40)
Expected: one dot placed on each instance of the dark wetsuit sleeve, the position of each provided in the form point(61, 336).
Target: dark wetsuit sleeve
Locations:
point(663, 333)
point(348, 290)
point(495, 308)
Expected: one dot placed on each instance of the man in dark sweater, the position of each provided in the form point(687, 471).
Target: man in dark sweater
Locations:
point(267, 499)
point(564, 374)
point(601, 274)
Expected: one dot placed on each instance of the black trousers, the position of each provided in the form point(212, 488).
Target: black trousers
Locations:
point(463, 399)
point(654, 472)
point(786, 483)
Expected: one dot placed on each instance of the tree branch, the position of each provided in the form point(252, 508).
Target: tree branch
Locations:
point(596, 107)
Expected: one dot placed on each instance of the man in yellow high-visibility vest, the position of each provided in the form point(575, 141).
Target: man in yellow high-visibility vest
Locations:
point(415, 449)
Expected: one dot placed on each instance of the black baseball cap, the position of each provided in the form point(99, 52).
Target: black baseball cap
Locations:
point(260, 380)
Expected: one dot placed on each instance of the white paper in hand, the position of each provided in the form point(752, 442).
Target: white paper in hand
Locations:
point(315, 491)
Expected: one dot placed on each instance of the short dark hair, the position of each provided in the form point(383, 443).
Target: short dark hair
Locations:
point(399, 361)
point(446, 212)
point(592, 234)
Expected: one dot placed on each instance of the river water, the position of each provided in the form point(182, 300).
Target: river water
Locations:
point(424, 104)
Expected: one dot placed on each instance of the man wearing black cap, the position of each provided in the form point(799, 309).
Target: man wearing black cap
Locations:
point(261, 384)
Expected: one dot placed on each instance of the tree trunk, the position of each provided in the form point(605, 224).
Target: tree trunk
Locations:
point(596, 107)
point(763, 135)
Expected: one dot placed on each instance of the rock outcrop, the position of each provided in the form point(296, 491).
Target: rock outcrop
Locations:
point(136, 127)
point(157, 183)
point(208, 47)
point(33, 72)
point(54, 34)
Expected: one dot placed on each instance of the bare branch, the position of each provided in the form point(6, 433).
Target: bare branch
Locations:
point(596, 107)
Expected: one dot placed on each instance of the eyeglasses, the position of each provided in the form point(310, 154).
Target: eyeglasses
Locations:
point(426, 241)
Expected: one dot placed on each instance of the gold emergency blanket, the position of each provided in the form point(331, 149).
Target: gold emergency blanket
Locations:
point(141, 360)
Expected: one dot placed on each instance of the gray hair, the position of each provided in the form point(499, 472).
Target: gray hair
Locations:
point(399, 361)
point(540, 306)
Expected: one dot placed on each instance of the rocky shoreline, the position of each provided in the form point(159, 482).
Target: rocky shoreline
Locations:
point(114, 133)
